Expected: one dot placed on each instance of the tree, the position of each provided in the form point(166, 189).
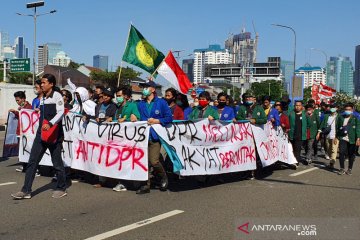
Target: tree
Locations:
point(20, 78)
point(111, 78)
point(75, 65)
point(274, 88)
point(307, 94)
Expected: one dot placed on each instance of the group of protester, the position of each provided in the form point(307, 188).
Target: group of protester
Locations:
point(330, 125)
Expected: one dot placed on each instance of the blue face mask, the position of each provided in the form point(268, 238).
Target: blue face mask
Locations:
point(347, 113)
point(249, 103)
point(332, 110)
point(146, 92)
point(120, 100)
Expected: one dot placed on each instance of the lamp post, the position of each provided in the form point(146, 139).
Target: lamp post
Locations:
point(284, 26)
point(35, 5)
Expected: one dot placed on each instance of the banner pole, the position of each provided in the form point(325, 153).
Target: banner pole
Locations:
point(127, 40)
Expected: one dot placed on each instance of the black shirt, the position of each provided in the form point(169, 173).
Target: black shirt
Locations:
point(298, 127)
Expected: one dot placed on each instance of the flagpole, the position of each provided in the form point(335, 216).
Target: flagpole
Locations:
point(152, 75)
point(121, 64)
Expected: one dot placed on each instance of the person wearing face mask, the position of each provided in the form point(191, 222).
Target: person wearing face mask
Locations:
point(195, 103)
point(170, 97)
point(311, 142)
point(271, 113)
point(36, 101)
point(183, 102)
point(127, 110)
point(328, 131)
point(348, 132)
point(250, 110)
point(97, 96)
point(67, 96)
point(284, 119)
point(154, 110)
point(225, 112)
point(204, 110)
point(83, 104)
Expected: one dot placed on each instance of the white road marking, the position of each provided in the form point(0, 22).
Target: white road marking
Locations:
point(305, 171)
point(7, 183)
point(134, 225)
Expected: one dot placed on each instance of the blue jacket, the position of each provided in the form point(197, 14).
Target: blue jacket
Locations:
point(356, 115)
point(227, 113)
point(160, 110)
point(274, 114)
point(187, 112)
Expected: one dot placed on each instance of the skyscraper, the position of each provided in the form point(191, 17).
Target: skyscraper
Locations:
point(214, 54)
point(20, 49)
point(46, 54)
point(340, 74)
point(287, 70)
point(42, 59)
point(4, 42)
point(188, 68)
point(357, 71)
point(101, 62)
point(243, 48)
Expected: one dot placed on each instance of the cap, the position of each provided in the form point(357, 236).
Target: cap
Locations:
point(149, 84)
point(248, 93)
point(108, 91)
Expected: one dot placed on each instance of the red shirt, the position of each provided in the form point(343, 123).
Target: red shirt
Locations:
point(284, 122)
point(177, 112)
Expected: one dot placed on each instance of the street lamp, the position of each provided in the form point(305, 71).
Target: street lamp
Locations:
point(35, 5)
point(323, 52)
point(284, 26)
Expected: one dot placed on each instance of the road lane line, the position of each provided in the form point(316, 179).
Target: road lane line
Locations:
point(305, 171)
point(134, 225)
point(7, 183)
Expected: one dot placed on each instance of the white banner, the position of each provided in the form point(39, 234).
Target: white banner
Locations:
point(272, 145)
point(29, 123)
point(204, 147)
point(108, 149)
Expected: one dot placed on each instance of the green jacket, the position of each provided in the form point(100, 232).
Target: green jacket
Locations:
point(258, 114)
point(209, 111)
point(304, 126)
point(314, 124)
point(128, 109)
point(324, 122)
point(353, 129)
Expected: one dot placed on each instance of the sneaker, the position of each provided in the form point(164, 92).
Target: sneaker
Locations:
point(21, 195)
point(120, 188)
point(327, 157)
point(19, 169)
point(37, 174)
point(348, 172)
point(341, 171)
point(59, 194)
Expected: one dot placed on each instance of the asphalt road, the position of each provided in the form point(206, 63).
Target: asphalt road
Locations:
point(210, 212)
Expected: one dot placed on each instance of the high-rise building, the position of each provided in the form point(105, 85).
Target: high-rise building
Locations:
point(340, 74)
point(188, 68)
point(20, 49)
point(42, 59)
point(52, 49)
point(61, 59)
point(312, 75)
point(4, 42)
point(214, 54)
point(243, 48)
point(357, 71)
point(101, 62)
point(287, 71)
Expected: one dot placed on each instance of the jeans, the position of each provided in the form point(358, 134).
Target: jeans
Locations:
point(346, 149)
point(296, 144)
point(311, 148)
point(37, 151)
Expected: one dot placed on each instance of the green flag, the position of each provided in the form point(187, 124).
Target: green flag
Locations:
point(141, 53)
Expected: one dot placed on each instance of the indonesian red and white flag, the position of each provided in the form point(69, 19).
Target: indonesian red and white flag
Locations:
point(173, 73)
point(326, 91)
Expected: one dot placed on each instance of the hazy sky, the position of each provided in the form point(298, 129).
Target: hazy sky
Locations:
point(89, 27)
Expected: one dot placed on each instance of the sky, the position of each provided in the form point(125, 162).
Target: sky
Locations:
point(89, 27)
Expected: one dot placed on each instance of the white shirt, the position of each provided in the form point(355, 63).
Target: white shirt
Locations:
point(331, 122)
point(346, 120)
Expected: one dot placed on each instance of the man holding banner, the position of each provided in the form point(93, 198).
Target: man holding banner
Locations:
point(154, 110)
point(48, 136)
